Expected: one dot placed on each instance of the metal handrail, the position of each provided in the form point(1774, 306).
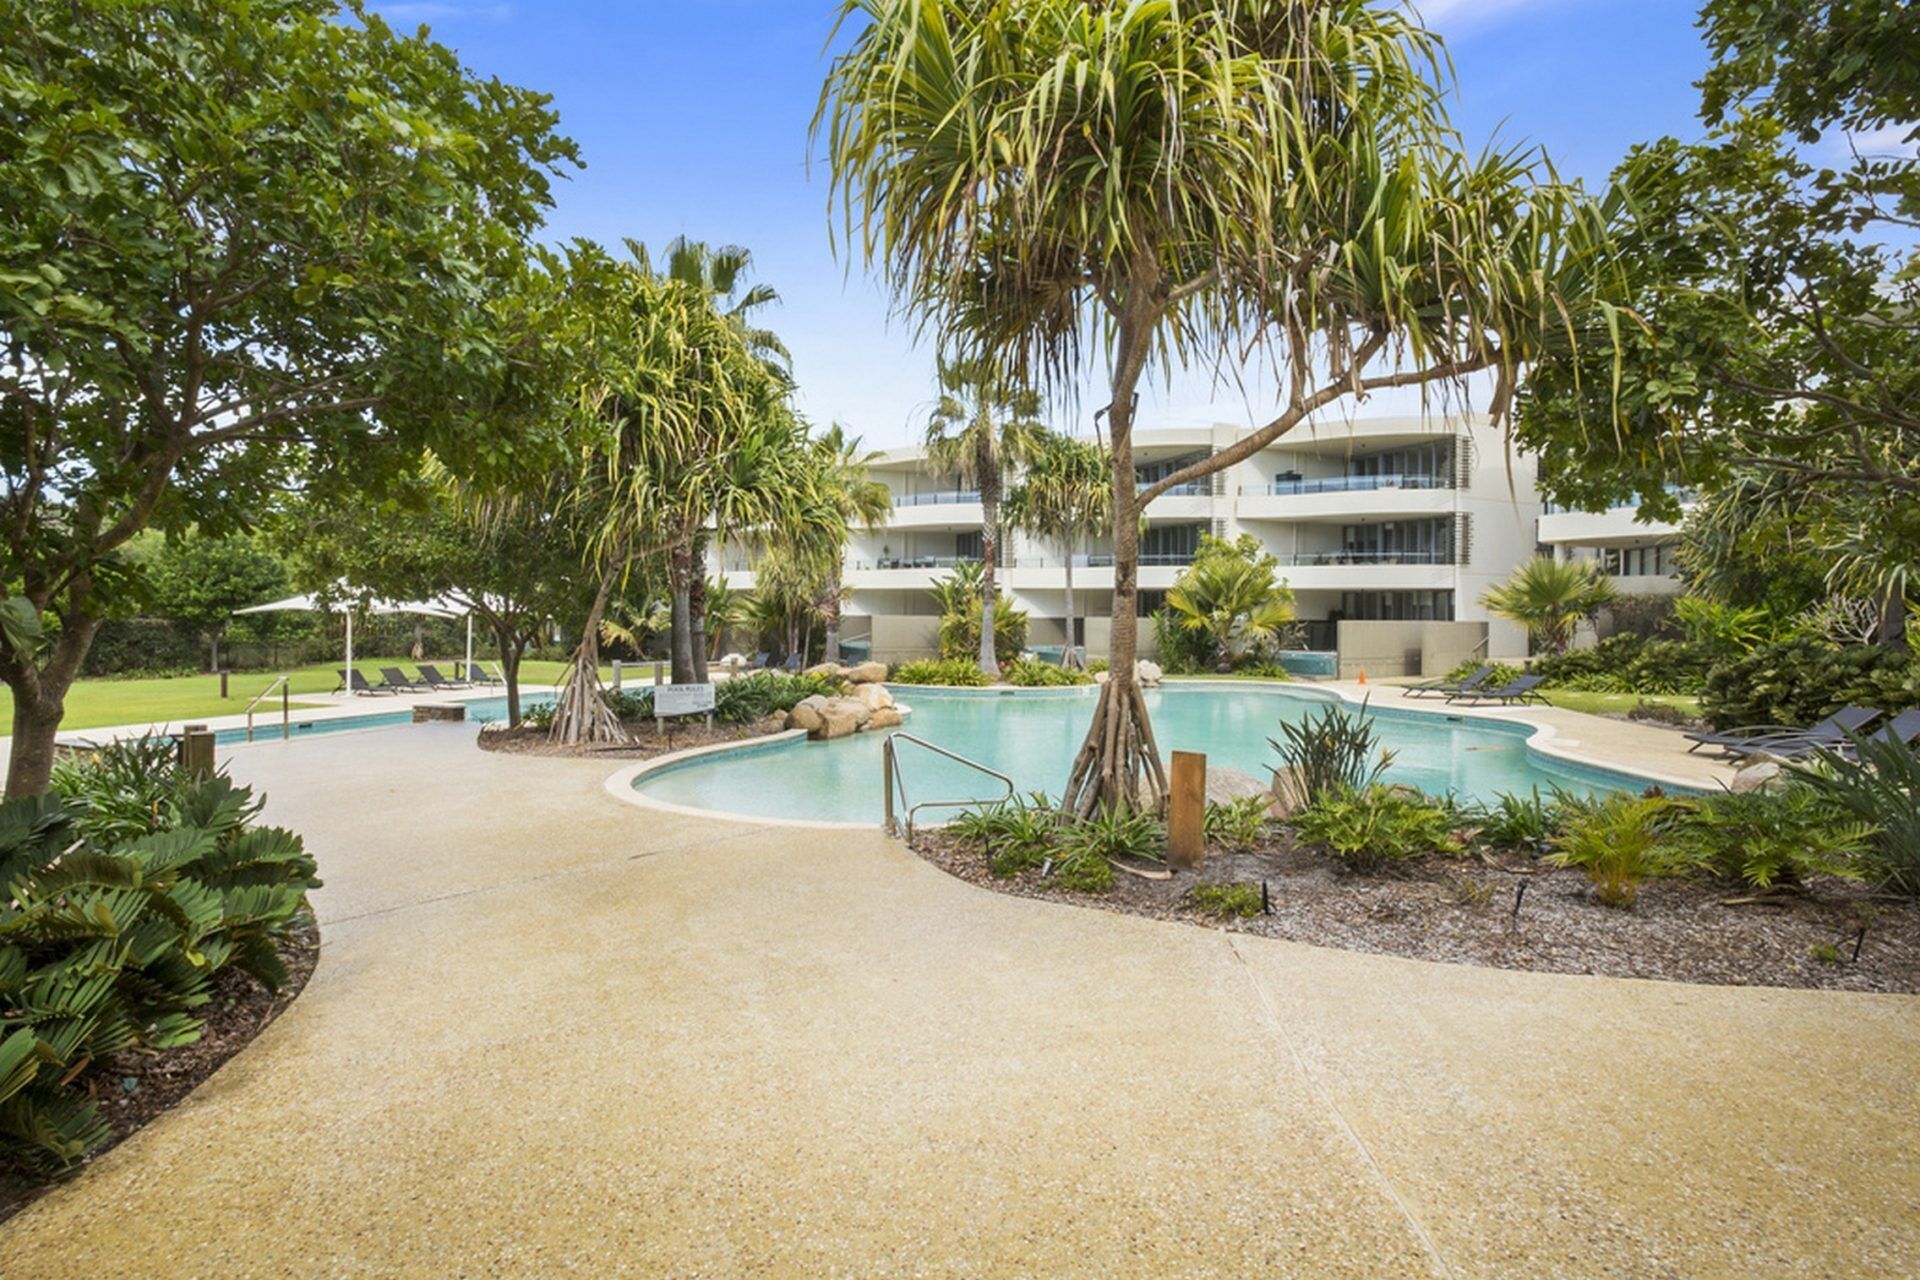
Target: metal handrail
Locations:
point(892, 780)
point(286, 710)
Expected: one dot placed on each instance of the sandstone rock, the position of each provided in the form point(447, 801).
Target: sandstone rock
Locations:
point(1099, 677)
point(859, 710)
point(866, 673)
point(1225, 785)
point(827, 669)
point(838, 721)
point(1289, 792)
point(807, 715)
point(1147, 673)
point(1756, 776)
point(875, 696)
point(886, 718)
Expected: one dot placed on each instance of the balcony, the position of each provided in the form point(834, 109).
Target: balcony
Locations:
point(937, 498)
point(1366, 557)
point(1344, 484)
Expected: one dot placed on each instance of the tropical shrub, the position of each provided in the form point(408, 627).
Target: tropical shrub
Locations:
point(1089, 846)
point(1182, 652)
point(1098, 665)
point(1725, 630)
point(1526, 823)
point(1237, 823)
point(960, 672)
point(1368, 828)
point(1617, 841)
point(960, 630)
point(1551, 598)
point(1334, 751)
point(1242, 900)
point(1033, 673)
point(1773, 836)
point(1629, 663)
point(1015, 834)
point(116, 928)
point(1231, 597)
point(1502, 673)
point(1799, 681)
point(1879, 786)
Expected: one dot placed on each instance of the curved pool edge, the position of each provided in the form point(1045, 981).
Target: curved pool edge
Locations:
point(623, 784)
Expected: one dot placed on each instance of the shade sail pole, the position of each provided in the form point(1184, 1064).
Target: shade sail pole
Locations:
point(468, 673)
point(350, 690)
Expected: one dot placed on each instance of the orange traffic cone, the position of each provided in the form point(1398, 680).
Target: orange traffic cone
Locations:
point(1363, 675)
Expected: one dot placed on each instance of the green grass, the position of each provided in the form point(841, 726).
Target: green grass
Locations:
point(171, 700)
point(1617, 703)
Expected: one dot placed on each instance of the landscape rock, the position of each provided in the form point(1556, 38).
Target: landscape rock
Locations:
point(1225, 785)
point(1147, 673)
point(1289, 792)
point(733, 660)
point(886, 718)
point(865, 673)
point(1099, 677)
point(875, 696)
point(1756, 776)
point(827, 669)
point(808, 714)
point(859, 710)
point(840, 721)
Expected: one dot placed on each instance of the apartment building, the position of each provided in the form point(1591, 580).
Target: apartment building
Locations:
point(1639, 555)
point(1388, 530)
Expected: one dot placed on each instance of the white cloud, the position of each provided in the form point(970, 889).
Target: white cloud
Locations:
point(434, 10)
point(1886, 142)
point(1456, 13)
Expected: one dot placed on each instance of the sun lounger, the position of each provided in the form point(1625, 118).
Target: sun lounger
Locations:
point(1747, 739)
point(1903, 729)
point(477, 674)
point(357, 683)
point(1447, 685)
point(430, 674)
point(1524, 689)
point(396, 679)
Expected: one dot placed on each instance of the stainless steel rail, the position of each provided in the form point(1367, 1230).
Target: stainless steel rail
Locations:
point(286, 712)
point(895, 783)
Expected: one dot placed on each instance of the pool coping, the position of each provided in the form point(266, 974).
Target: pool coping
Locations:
point(621, 784)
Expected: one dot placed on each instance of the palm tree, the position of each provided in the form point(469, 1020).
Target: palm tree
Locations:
point(1552, 597)
point(1234, 602)
point(1175, 181)
point(983, 425)
point(1064, 497)
point(838, 470)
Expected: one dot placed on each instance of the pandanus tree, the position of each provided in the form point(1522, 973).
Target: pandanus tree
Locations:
point(1176, 180)
point(983, 425)
point(721, 275)
point(1064, 497)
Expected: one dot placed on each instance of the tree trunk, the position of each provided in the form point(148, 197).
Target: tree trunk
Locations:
point(1070, 656)
point(213, 651)
point(1892, 631)
point(697, 612)
point(581, 712)
point(989, 554)
point(680, 630)
point(40, 703)
point(510, 646)
point(1119, 767)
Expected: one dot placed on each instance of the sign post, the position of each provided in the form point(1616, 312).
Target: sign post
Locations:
point(682, 700)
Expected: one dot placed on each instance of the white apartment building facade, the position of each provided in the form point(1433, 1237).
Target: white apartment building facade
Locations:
point(1388, 530)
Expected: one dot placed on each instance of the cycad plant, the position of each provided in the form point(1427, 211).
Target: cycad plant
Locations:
point(1234, 602)
point(1551, 598)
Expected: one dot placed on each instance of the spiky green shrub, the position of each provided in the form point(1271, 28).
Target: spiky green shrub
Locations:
point(1332, 752)
point(959, 672)
point(1762, 838)
point(1525, 823)
point(1618, 841)
point(1033, 673)
point(1237, 823)
point(1089, 846)
point(116, 927)
point(1370, 828)
point(1015, 834)
point(1241, 900)
point(1878, 784)
point(960, 630)
point(1629, 663)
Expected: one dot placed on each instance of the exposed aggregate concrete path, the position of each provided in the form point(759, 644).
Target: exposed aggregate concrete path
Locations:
point(554, 1033)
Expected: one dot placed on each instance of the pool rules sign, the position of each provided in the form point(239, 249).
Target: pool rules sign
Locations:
point(683, 700)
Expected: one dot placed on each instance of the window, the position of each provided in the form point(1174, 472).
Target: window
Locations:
point(968, 545)
point(1401, 541)
point(1166, 544)
point(1396, 606)
point(1655, 561)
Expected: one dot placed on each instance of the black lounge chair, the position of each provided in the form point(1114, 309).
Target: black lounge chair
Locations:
point(795, 663)
point(396, 679)
point(1903, 729)
point(477, 674)
point(1523, 689)
point(1778, 739)
point(354, 682)
point(1447, 685)
point(430, 675)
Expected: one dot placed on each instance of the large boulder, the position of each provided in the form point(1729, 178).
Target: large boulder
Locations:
point(842, 718)
point(1757, 775)
point(1225, 785)
point(833, 669)
point(1147, 673)
point(886, 718)
point(867, 673)
point(1289, 791)
point(859, 710)
point(808, 714)
point(875, 696)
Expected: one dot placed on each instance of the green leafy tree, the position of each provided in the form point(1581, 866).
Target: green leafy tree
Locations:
point(1551, 598)
point(983, 426)
point(1064, 497)
point(844, 495)
point(1173, 182)
point(242, 242)
point(1774, 339)
point(1232, 595)
point(201, 581)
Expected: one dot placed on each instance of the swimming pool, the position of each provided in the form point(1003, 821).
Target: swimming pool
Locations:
point(479, 711)
point(1032, 737)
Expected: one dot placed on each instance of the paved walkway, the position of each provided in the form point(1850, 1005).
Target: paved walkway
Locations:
point(555, 1033)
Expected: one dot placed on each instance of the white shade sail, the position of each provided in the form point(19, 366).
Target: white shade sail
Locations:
point(310, 603)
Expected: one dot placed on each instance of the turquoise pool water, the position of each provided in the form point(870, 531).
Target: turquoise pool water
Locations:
point(1032, 737)
point(479, 711)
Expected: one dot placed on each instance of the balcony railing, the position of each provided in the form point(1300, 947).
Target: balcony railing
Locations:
point(1345, 484)
point(939, 498)
point(914, 562)
point(1366, 557)
point(1191, 489)
point(1104, 560)
point(1686, 494)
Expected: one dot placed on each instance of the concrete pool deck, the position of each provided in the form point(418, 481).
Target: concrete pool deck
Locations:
point(550, 1033)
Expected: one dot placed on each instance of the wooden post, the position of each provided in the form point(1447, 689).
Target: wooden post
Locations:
point(196, 750)
point(1187, 810)
point(616, 675)
point(223, 684)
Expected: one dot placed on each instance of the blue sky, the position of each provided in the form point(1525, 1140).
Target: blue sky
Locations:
point(692, 116)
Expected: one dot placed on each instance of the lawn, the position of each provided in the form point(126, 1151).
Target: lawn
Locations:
point(172, 700)
point(1617, 703)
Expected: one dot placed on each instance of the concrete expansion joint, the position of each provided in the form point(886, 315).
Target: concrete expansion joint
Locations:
point(1271, 1015)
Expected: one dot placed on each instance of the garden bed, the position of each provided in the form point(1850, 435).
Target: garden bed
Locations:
point(647, 742)
point(1461, 910)
point(138, 1086)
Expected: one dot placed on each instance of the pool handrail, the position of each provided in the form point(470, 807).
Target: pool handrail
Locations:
point(892, 780)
